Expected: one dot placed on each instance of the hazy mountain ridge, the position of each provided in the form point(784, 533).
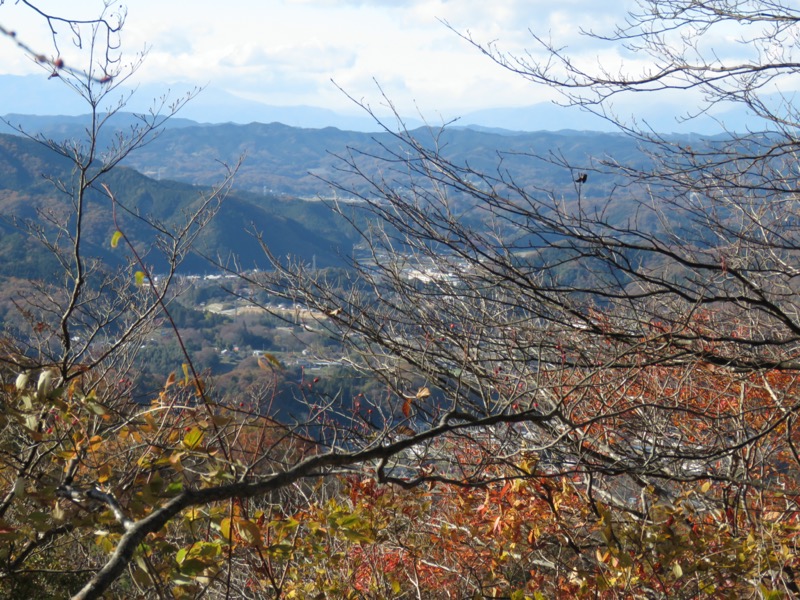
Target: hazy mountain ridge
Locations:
point(284, 160)
point(40, 95)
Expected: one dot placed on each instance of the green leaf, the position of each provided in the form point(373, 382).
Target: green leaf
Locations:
point(350, 521)
point(205, 549)
point(280, 550)
point(174, 488)
point(352, 535)
point(40, 520)
point(116, 238)
point(19, 487)
point(139, 278)
point(97, 409)
point(770, 594)
point(194, 566)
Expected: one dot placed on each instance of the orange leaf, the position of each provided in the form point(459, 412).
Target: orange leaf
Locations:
point(248, 531)
point(505, 489)
point(531, 537)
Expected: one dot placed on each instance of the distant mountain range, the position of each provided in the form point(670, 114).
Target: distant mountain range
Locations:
point(38, 95)
point(284, 161)
point(284, 173)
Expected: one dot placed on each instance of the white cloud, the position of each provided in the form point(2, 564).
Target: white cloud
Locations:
point(287, 51)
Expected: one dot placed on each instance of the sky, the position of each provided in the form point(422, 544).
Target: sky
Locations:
point(296, 52)
point(319, 52)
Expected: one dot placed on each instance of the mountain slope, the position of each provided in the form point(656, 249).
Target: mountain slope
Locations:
point(308, 230)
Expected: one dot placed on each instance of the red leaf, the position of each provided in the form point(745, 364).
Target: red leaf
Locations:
point(407, 407)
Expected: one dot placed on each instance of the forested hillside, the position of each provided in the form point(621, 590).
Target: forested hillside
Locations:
point(308, 230)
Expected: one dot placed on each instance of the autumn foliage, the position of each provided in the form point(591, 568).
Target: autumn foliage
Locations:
point(489, 519)
point(565, 395)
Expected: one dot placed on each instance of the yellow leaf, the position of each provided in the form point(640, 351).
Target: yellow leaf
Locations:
point(225, 528)
point(139, 277)
point(115, 239)
point(267, 360)
point(676, 570)
point(192, 439)
point(103, 473)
